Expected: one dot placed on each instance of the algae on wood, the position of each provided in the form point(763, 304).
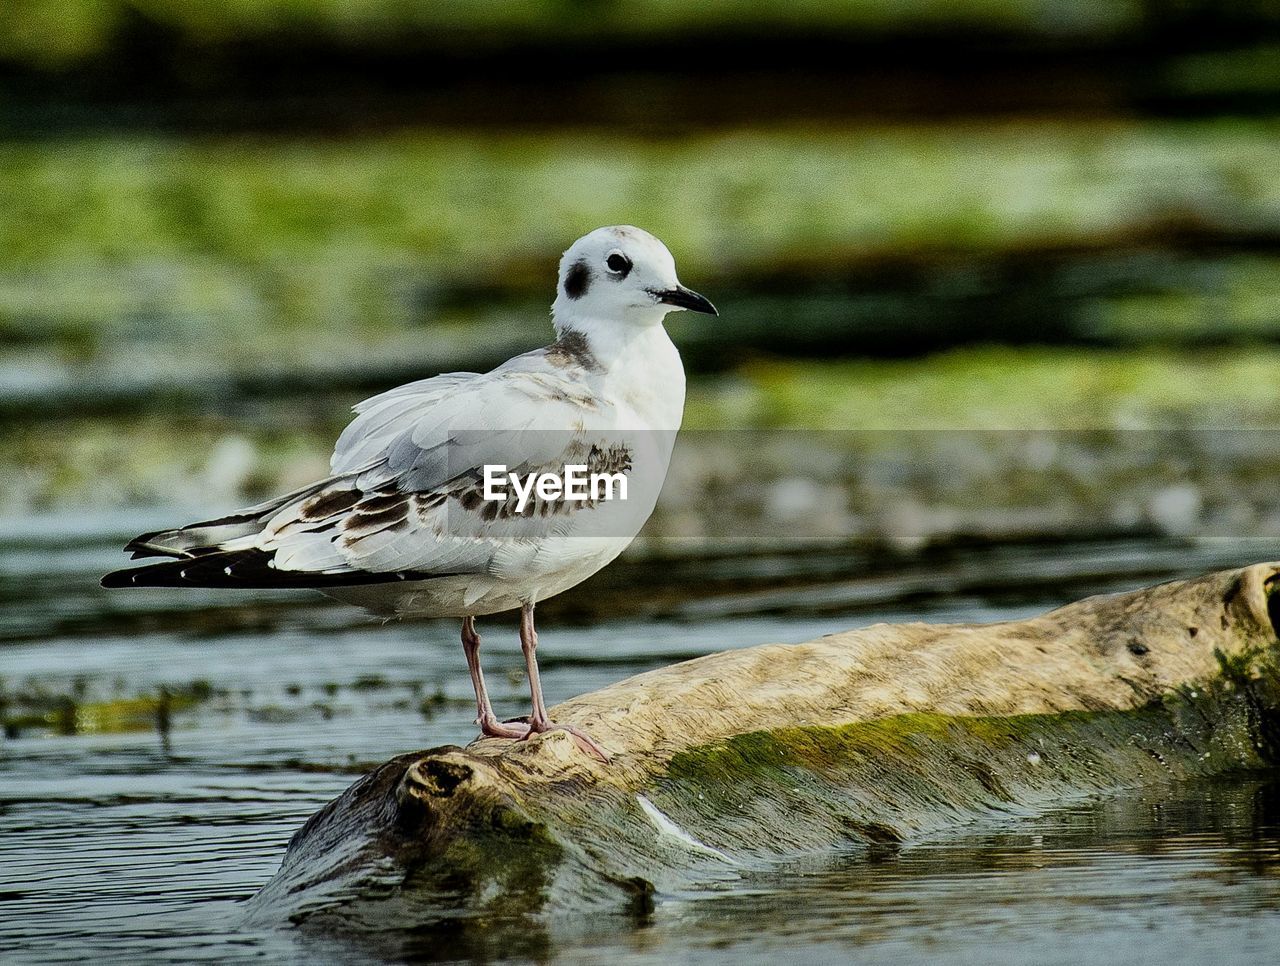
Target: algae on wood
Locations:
point(730, 762)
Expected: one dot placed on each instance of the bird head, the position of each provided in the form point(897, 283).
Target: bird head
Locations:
point(620, 275)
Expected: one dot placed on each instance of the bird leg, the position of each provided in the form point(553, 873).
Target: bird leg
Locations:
point(539, 723)
point(489, 724)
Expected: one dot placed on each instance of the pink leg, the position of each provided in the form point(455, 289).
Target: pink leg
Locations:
point(539, 723)
point(485, 718)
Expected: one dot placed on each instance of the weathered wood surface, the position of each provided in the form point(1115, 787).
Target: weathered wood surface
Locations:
point(728, 763)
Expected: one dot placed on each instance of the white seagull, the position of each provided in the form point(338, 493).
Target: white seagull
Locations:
point(402, 526)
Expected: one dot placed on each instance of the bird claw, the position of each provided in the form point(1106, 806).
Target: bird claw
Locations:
point(519, 731)
point(580, 738)
point(493, 728)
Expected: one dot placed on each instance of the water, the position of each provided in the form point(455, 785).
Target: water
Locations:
point(1178, 874)
point(131, 828)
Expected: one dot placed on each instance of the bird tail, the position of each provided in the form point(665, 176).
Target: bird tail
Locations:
point(207, 557)
point(209, 536)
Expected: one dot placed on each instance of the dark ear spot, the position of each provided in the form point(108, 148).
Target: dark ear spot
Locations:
point(577, 280)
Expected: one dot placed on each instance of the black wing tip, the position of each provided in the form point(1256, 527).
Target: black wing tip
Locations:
point(214, 570)
point(156, 575)
point(244, 569)
point(119, 578)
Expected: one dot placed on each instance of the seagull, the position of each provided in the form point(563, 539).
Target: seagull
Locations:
point(411, 520)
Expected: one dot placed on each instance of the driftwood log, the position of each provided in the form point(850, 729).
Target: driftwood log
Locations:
point(861, 740)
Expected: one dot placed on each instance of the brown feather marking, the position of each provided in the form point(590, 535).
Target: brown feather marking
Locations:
point(327, 504)
point(381, 501)
point(572, 349)
point(362, 522)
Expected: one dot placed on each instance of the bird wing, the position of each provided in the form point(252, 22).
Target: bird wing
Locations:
point(409, 493)
point(405, 500)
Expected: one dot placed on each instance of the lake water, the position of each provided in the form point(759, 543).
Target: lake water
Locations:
point(131, 830)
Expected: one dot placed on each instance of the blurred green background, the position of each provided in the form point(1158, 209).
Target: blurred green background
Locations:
point(221, 224)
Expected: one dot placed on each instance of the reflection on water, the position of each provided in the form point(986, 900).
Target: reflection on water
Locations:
point(122, 841)
point(1170, 875)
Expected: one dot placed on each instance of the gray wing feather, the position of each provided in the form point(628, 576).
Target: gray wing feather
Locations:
point(521, 413)
point(383, 417)
point(419, 441)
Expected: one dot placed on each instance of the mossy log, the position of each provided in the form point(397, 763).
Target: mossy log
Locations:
point(861, 740)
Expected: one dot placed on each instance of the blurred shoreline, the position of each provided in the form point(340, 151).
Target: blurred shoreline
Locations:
point(754, 489)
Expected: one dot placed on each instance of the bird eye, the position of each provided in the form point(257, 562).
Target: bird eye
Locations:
point(618, 264)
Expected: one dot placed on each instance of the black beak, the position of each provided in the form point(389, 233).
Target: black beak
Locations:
point(685, 298)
